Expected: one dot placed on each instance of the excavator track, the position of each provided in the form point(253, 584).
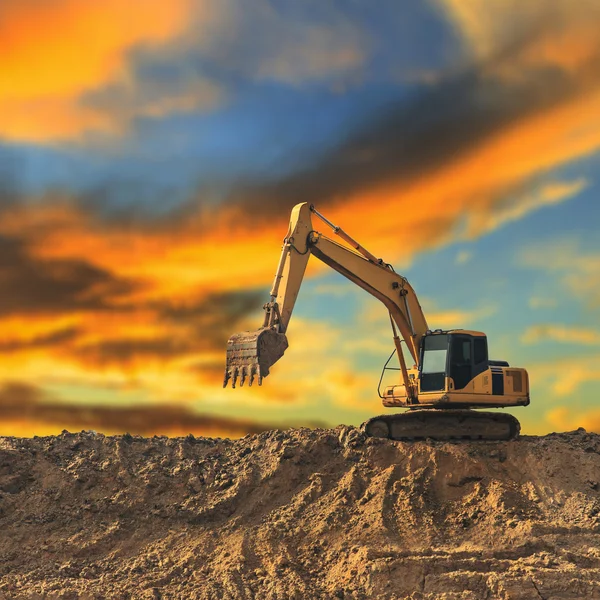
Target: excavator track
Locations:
point(444, 425)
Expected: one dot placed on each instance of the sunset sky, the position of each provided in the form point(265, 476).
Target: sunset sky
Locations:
point(151, 151)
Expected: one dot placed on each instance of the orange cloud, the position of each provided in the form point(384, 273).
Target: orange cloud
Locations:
point(202, 253)
point(27, 410)
point(562, 333)
point(470, 188)
point(68, 68)
point(541, 27)
point(52, 52)
point(564, 377)
point(563, 419)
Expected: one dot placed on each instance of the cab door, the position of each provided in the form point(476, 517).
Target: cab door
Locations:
point(461, 360)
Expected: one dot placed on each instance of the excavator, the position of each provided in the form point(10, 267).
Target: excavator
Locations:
point(451, 373)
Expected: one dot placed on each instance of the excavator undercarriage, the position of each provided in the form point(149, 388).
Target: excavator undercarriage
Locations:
point(443, 425)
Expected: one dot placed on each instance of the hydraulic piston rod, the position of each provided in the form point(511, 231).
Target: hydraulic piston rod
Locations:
point(339, 231)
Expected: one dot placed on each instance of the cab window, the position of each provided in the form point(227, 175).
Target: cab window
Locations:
point(433, 369)
point(435, 353)
point(480, 353)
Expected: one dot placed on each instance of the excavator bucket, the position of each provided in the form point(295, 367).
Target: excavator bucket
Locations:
point(252, 353)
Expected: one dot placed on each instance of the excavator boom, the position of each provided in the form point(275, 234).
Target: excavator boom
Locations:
point(251, 354)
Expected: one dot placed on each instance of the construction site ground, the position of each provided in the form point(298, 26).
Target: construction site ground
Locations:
point(299, 514)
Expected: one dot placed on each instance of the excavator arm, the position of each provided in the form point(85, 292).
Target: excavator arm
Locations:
point(251, 354)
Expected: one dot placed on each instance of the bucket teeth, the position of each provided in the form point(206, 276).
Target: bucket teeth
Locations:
point(252, 373)
point(251, 354)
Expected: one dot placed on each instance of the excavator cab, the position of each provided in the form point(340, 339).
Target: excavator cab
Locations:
point(452, 359)
point(455, 371)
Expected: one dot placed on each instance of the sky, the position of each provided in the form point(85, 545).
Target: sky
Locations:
point(151, 152)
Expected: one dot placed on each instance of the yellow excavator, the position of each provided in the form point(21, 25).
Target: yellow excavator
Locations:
point(451, 375)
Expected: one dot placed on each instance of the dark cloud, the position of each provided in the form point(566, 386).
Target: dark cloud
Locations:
point(11, 165)
point(19, 397)
point(33, 285)
point(20, 401)
point(211, 370)
point(128, 350)
point(213, 317)
point(56, 338)
point(197, 327)
point(438, 123)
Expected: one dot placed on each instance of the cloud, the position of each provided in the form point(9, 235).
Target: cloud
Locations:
point(194, 329)
point(51, 286)
point(454, 318)
point(171, 258)
point(578, 271)
point(21, 401)
point(486, 26)
point(71, 68)
point(561, 333)
point(297, 49)
point(52, 52)
point(462, 156)
point(97, 315)
point(536, 302)
point(60, 337)
point(564, 419)
point(565, 376)
point(516, 207)
point(463, 257)
point(153, 96)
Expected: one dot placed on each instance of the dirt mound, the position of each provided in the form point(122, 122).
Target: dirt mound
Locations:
point(299, 514)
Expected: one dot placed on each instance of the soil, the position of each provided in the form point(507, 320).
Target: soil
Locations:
point(300, 514)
